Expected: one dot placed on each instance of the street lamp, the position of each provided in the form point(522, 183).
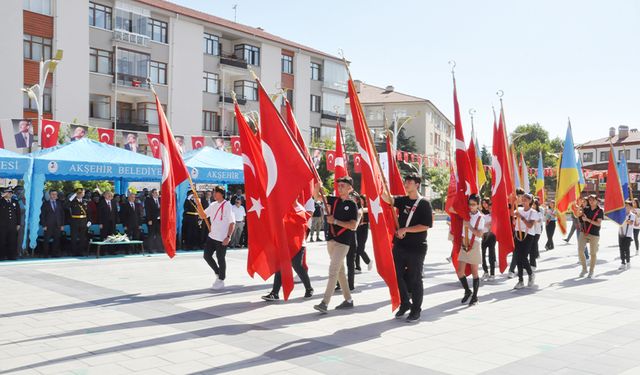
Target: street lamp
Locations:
point(397, 128)
point(36, 92)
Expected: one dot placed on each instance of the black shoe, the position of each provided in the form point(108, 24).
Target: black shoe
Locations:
point(414, 316)
point(308, 293)
point(402, 310)
point(337, 288)
point(467, 294)
point(345, 305)
point(474, 301)
point(270, 297)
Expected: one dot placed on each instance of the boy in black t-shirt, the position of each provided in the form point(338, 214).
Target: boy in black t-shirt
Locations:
point(410, 245)
point(342, 221)
point(591, 219)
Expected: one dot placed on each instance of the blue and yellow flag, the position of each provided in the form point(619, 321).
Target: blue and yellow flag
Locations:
point(568, 175)
point(613, 196)
point(623, 173)
point(581, 181)
point(540, 180)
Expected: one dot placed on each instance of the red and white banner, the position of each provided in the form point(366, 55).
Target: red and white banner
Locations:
point(357, 160)
point(331, 160)
point(107, 136)
point(236, 147)
point(197, 141)
point(154, 144)
point(50, 131)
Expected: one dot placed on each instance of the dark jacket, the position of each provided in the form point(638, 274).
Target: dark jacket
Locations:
point(129, 217)
point(153, 211)
point(107, 215)
point(51, 218)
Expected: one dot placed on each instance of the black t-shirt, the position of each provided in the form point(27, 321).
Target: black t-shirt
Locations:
point(592, 215)
point(422, 215)
point(343, 211)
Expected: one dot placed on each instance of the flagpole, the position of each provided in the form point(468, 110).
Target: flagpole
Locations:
point(115, 99)
point(199, 207)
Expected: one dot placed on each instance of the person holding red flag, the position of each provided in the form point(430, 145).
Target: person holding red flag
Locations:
point(223, 222)
point(410, 245)
point(470, 254)
point(526, 218)
point(343, 221)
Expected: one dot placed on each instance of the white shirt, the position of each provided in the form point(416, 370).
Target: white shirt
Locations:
point(221, 216)
point(310, 206)
point(530, 214)
point(539, 224)
point(636, 225)
point(475, 221)
point(626, 230)
point(487, 222)
point(238, 212)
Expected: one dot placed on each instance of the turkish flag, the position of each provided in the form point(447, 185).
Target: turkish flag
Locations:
point(396, 184)
point(405, 156)
point(107, 136)
point(50, 131)
point(357, 167)
point(500, 215)
point(340, 168)
point(307, 192)
point(471, 154)
point(399, 155)
point(451, 193)
point(197, 141)
point(509, 178)
point(154, 144)
point(381, 215)
point(174, 171)
point(135, 83)
point(331, 160)
point(288, 172)
point(236, 147)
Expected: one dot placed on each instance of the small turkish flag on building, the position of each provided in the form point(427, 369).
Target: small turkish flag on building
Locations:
point(50, 131)
point(236, 147)
point(398, 155)
point(154, 143)
point(107, 136)
point(135, 83)
point(357, 167)
point(197, 141)
point(331, 160)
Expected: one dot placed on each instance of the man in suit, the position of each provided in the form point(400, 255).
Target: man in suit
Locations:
point(152, 209)
point(107, 215)
point(24, 138)
point(52, 221)
point(131, 214)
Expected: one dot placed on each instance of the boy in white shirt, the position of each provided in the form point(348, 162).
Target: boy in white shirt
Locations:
point(625, 235)
point(222, 224)
point(525, 231)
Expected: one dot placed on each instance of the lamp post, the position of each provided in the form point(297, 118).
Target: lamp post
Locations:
point(397, 128)
point(36, 92)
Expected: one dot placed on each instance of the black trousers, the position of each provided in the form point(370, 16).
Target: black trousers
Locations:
point(191, 231)
point(52, 233)
point(107, 229)
point(551, 229)
point(625, 249)
point(362, 234)
point(78, 236)
point(521, 255)
point(154, 241)
point(8, 241)
point(409, 264)
point(298, 266)
point(635, 237)
point(489, 244)
point(534, 252)
point(213, 246)
point(351, 263)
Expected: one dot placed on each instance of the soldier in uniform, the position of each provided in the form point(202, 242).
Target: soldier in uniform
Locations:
point(78, 222)
point(191, 223)
point(9, 225)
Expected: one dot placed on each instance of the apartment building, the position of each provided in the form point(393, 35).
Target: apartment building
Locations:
point(193, 59)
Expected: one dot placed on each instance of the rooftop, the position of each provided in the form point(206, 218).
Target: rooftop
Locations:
point(625, 136)
point(253, 31)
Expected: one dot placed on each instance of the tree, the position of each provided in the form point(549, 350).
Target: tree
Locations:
point(438, 180)
point(530, 140)
point(404, 143)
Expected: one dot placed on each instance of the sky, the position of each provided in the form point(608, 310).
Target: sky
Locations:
point(553, 59)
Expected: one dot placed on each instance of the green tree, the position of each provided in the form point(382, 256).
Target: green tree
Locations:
point(404, 143)
point(530, 140)
point(438, 180)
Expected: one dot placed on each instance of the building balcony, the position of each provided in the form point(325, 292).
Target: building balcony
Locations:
point(227, 97)
point(233, 60)
point(332, 116)
point(131, 38)
point(128, 80)
point(132, 125)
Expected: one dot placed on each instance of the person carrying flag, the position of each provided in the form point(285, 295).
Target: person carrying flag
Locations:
point(591, 219)
point(488, 244)
point(525, 218)
point(625, 235)
point(222, 224)
point(470, 251)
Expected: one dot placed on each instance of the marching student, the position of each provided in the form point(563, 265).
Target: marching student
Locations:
point(534, 254)
point(591, 218)
point(222, 224)
point(488, 243)
point(624, 236)
point(636, 224)
point(361, 237)
point(525, 219)
point(342, 221)
point(470, 253)
point(550, 216)
point(514, 262)
point(410, 245)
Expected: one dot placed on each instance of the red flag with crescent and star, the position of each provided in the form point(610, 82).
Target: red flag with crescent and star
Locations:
point(381, 215)
point(154, 144)
point(331, 160)
point(174, 172)
point(500, 215)
point(357, 167)
point(396, 184)
point(50, 131)
point(236, 147)
point(197, 141)
point(107, 136)
point(288, 173)
point(339, 163)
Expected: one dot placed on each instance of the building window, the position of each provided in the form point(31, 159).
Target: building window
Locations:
point(131, 22)
point(31, 105)
point(99, 106)
point(587, 157)
point(133, 68)
point(148, 113)
point(332, 102)
point(210, 121)
point(315, 134)
point(211, 44)
point(100, 61)
point(37, 6)
point(287, 64)
point(289, 94)
point(158, 72)
point(211, 83)
point(315, 103)
point(36, 48)
point(157, 30)
point(604, 156)
point(100, 16)
point(250, 54)
point(315, 72)
point(246, 89)
point(627, 154)
point(638, 154)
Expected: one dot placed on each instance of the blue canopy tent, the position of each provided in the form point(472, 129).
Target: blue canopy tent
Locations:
point(13, 165)
point(85, 160)
point(208, 165)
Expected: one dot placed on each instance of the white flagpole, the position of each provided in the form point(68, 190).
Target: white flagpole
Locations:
point(115, 101)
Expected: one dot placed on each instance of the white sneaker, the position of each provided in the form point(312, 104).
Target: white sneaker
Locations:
point(370, 265)
point(218, 285)
point(622, 267)
point(357, 272)
point(590, 275)
point(582, 273)
point(628, 265)
point(485, 276)
point(519, 285)
point(533, 268)
point(492, 278)
point(511, 275)
point(532, 280)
